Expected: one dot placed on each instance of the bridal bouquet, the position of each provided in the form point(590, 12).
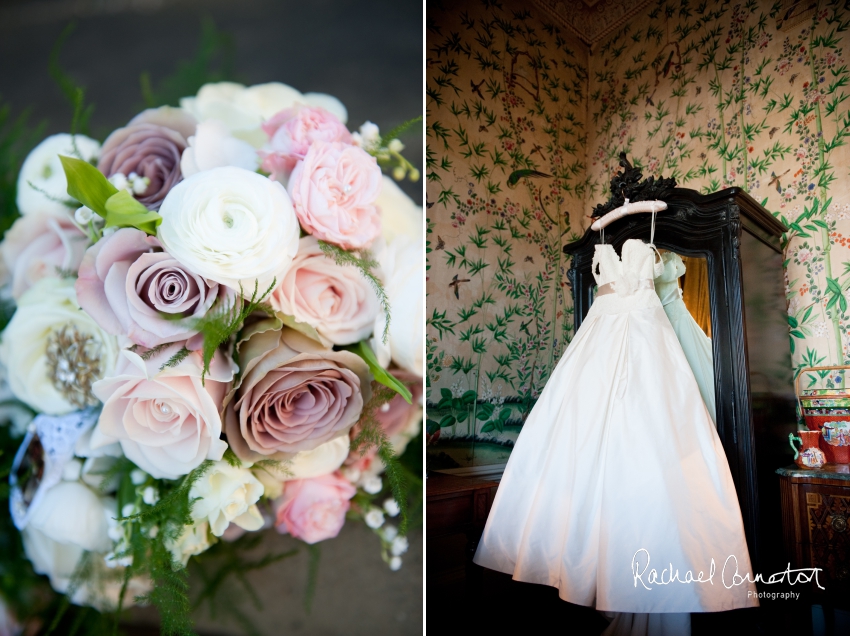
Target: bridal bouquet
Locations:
point(203, 332)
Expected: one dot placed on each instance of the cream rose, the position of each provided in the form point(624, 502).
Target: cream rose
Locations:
point(43, 169)
point(40, 245)
point(227, 494)
point(322, 460)
point(55, 351)
point(166, 421)
point(294, 395)
point(400, 216)
point(333, 299)
point(193, 540)
point(243, 109)
point(232, 226)
point(402, 264)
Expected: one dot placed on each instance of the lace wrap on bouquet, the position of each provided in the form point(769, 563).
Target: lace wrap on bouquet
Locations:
point(57, 436)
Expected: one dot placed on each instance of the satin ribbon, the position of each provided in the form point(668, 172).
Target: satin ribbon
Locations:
point(608, 288)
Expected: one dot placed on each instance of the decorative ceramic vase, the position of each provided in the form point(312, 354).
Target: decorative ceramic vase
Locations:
point(809, 455)
point(837, 435)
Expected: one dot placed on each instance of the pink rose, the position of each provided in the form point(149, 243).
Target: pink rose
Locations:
point(166, 420)
point(397, 416)
point(334, 191)
point(399, 420)
point(293, 395)
point(291, 133)
point(41, 245)
point(127, 283)
point(333, 299)
point(314, 509)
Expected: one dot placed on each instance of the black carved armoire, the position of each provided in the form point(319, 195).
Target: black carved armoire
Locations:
point(740, 244)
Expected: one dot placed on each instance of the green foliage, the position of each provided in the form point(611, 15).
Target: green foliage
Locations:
point(364, 263)
point(225, 319)
point(315, 554)
point(176, 359)
point(212, 63)
point(380, 374)
point(17, 137)
point(91, 188)
point(372, 435)
point(232, 560)
point(74, 94)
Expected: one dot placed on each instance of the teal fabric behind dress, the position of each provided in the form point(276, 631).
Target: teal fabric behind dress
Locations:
point(695, 343)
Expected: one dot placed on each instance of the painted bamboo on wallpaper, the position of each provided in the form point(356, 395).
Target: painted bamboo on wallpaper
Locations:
point(715, 94)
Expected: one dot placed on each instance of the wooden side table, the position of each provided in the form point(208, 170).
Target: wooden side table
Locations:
point(457, 506)
point(816, 525)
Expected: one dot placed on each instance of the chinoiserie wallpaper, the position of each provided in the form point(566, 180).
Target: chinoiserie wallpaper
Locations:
point(752, 94)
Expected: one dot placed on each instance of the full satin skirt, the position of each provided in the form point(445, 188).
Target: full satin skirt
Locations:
point(619, 465)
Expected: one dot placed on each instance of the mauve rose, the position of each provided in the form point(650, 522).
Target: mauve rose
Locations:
point(294, 394)
point(126, 283)
point(399, 420)
point(291, 133)
point(335, 300)
point(166, 420)
point(314, 509)
point(151, 146)
point(39, 245)
point(334, 191)
point(395, 416)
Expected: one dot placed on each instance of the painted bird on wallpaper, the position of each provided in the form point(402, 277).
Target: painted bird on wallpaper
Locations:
point(516, 175)
point(773, 131)
point(476, 88)
point(441, 244)
point(774, 179)
point(455, 284)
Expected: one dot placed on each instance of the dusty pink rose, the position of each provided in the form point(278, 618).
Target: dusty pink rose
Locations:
point(41, 245)
point(399, 420)
point(334, 191)
point(333, 299)
point(314, 509)
point(166, 420)
point(291, 133)
point(396, 416)
point(294, 395)
point(131, 287)
point(151, 146)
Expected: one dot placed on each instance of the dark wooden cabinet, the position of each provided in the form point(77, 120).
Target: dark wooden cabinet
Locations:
point(456, 510)
point(816, 526)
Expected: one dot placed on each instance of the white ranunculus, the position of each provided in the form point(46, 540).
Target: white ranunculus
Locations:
point(400, 216)
point(212, 146)
point(43, 169)
point(243, 109)
point(194, 539)
point(69, 521)
point(232, 226)
point(404, 279)
point(44, 373)
point(227, 494)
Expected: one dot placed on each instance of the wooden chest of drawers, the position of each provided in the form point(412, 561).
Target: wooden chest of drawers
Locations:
point(816, 525)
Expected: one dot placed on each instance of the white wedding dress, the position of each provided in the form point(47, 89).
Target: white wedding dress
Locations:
point(618, 461)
